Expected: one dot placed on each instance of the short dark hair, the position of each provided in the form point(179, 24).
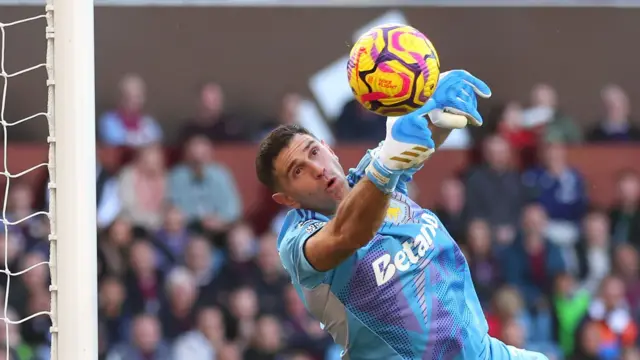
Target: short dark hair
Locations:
point(270, 147)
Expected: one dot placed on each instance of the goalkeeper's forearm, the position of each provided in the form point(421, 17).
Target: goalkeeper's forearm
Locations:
point(358, 218)
point(360, 214)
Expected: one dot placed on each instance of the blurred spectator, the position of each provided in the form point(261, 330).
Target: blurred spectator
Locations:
point(177, 315)
point(594, 251)
point(143, 186)
point(146, 342)
point(506, 305)
point(631, 354)
point(23, 287)
point(17, 348)
point(36, 331)
point(29, 229)
point(512, 128)
point(297, 110)
point(610, 312)
point(544, 115)
point(144, 282)
point(569, 305)
point(483, 262)
point(11, 249)
point(590, 342)
point(204, 190)
point(357, 124)
point(240, 267)
point(243, 311)
point(267, 340)
point(229, 351)
point(625, 215)
point(450, 208)
point(113, 248)
point(616, 125)
point(202, 263)
point(627, 268)
point(28, 295)
point(172, 236)
point(211, 120)
point(128, 125)
point(302, 356)
point(203, 342)
point(513, 334)
point(271, 279)
point(560, 189)
point(494, 191)
point(114, 319)
point(531, 263)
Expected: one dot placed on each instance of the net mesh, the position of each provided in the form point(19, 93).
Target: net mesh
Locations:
point(10, 319)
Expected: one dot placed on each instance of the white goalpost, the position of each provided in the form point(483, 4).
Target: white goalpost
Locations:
point(70, 115)
point(72, 169)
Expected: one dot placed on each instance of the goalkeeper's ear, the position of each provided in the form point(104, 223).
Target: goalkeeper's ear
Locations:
point(285, 200)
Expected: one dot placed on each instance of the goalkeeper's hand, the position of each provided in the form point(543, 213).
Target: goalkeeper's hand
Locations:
point(454, 104)
point(407, 145)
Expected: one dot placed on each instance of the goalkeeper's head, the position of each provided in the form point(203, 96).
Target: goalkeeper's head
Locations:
point(302, 171)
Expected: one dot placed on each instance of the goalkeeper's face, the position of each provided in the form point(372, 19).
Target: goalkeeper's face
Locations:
point(309, 176)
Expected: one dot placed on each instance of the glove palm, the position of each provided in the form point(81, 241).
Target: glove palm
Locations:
point(454, 101)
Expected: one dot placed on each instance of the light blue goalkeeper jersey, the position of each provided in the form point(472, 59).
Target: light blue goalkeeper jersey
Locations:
point(407, 294)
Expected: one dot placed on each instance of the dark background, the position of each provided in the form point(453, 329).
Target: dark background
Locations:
point(253, 53)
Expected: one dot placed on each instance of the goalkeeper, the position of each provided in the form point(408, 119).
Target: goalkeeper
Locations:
point(381, 274)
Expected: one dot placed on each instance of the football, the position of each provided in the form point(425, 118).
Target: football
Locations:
point(393, 69)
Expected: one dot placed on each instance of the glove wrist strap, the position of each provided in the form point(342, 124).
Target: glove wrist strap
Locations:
point(382, 177)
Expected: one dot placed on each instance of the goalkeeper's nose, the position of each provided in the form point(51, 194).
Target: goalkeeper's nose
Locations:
point(316, 170)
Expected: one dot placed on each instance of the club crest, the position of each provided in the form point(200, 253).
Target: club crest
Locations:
point(398, 212)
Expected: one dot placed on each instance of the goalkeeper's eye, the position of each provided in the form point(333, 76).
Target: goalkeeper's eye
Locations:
point(297, 171)
point(314, 151)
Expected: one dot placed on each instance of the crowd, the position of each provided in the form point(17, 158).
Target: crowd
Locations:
point(182, 275)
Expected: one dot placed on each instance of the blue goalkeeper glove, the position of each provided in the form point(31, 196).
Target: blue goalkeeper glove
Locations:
point(407, 145)
point(454, 104)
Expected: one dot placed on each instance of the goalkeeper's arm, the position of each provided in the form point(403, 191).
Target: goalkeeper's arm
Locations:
point(360, 214)
point(357, 219)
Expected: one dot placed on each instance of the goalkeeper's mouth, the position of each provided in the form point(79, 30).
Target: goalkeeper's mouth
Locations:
point(332, 184)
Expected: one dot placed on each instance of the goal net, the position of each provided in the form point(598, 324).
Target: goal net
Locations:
point(67, 28)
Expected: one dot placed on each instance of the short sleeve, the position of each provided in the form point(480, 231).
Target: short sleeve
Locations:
point(292, 253)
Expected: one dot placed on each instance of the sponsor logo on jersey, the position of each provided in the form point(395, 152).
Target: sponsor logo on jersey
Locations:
point(413, 251)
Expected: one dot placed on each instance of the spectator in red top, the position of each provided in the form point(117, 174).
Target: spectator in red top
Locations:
point(506, 305)
point(532, 262)
point(627, 267)
point(511, 127)
point(611, 314)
